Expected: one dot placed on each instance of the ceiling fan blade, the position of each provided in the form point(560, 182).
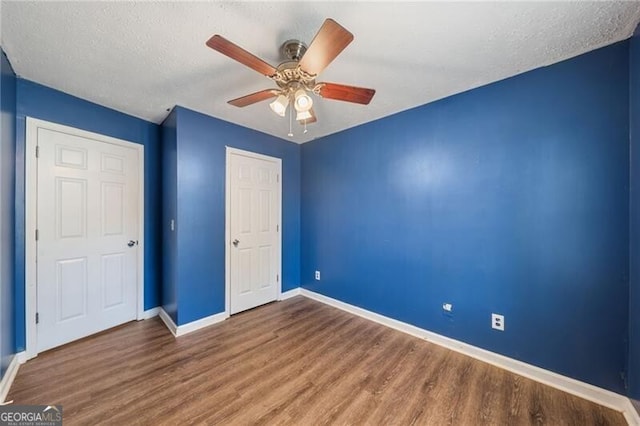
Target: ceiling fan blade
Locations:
point(313, 118)
point(254, 97)
point(340, 92)
point(236, 52)
point(330, 40)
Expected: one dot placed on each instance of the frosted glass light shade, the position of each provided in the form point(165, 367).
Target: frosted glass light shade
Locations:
point(279, 106)
point(303, 115)
point(303, 102)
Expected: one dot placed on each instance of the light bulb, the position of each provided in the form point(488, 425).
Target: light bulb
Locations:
point(303, 102)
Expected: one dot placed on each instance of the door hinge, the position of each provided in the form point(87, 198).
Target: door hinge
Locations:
point(37, 151)
point(277, 278)
point(37, 235)
point(277, 228)
point(277, 178)
point(37, 318)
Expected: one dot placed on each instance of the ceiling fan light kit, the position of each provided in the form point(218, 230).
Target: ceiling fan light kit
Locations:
point(303, 102)
point(296, 76)
point(303, 115)
point(279, 106)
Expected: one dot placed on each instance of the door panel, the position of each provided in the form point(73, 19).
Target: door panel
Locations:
point(73, 157)
point(112, 208)
point(87, 211)
point(254, 212)
point(113, 164)
point(71, 283)
point(244, 272)
point(264, 266)
point(264, 210)
point(113, 280)
point(70, 210)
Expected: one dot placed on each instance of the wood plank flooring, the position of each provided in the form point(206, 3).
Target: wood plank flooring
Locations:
point(293, 362)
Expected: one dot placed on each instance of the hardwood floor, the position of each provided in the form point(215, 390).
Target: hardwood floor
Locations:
point(293, 362)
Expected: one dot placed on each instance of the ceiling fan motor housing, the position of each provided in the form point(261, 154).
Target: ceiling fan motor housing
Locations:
point(293, 50)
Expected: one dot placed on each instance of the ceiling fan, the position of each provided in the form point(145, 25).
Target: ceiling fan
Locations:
point(296, 77)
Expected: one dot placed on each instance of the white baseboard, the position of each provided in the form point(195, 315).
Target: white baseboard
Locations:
point(166, 319)
point(22, 357)
point(181, 330)
point(150, 313)
point(289, 294)
point(575, 387)
point(10, 375)
point(631, 414)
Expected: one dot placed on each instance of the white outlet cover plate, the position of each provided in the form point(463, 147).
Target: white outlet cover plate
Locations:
point(497, 322)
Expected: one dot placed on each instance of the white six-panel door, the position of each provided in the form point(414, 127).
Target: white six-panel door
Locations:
point(254, 229)
point(87, 221)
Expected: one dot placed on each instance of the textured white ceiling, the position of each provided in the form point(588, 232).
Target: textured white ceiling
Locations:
point(145, 57)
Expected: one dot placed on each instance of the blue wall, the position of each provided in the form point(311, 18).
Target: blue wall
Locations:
point(169, 213)
point(200, 225)
point(511, 198)
point(7, 219)
point(44, 103)
point(634, 261)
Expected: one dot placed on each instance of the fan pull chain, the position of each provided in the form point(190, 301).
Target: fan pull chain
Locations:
point(290, 121)
point(305, 126)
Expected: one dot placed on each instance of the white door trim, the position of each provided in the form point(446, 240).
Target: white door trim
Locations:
point(31, 198)
point(227, 230)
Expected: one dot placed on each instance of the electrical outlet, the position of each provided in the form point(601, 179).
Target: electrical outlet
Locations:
point(447, 310)
point(497, 322)
point(318, 275)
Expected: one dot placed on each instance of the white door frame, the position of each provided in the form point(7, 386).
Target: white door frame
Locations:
point(31, 180)
point(227, 224)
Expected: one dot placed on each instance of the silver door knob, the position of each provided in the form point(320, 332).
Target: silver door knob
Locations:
point(235, 243)
point(132, 243)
